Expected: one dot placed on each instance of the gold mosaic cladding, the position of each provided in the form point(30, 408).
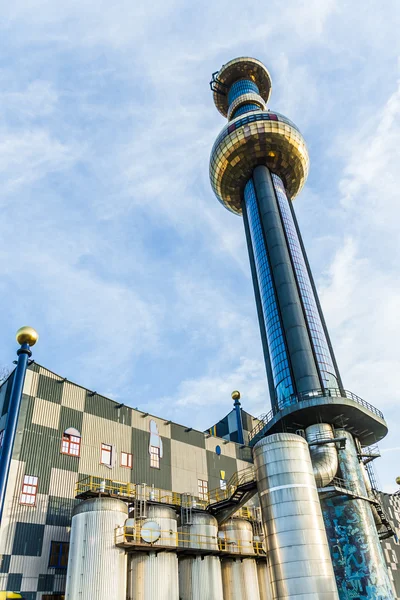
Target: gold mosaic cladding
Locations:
point(245, 99)
point(238, 68)
point(274, 144)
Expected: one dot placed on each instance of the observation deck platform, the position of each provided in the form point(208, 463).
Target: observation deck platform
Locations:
point(340, 408)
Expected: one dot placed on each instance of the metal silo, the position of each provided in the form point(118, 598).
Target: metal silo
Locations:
point(296, 541)
point(264, 580)
point(96, 567)
point(239, 575)
point(153, 573)
point(200, 576)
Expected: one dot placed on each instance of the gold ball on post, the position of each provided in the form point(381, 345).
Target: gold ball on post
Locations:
point(235, 395)
point(398, 480)
point(27, 335)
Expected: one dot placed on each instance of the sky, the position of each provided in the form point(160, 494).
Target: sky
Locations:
point(112, 244)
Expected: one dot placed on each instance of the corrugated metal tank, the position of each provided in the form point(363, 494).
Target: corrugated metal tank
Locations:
point(264, 580)
point(239, 579)
point(239, 575)
point(154, 575)
point(238, 536)
point(96, 567)
point(296, 541)
point(200, 576)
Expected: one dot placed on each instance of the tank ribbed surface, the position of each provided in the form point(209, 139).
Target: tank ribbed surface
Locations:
point(239, 579)
point(238, 535)
point(165, 517)
point(296, 541)
point(96, 567)
point(152, 576)
point(264, 580)
point(201, 534)
point(200, 578)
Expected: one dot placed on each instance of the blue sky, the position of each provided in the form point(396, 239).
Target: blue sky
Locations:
point(111, 242)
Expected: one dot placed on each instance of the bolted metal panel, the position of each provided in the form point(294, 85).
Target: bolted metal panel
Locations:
point(324, 457)
point(202, 533)
point(239, 579)
point(152, 576)
point(200, 578)
point(357, 554)
point(238, 534)
point(264, 580)
point(96, 567)
point(297, 547)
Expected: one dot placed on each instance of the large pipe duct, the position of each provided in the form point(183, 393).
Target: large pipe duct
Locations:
point(324, 457)
point(357, 554)
point(297, 547)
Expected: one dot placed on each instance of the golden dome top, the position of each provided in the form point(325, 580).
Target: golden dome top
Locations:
point(27, 335)
point(236, 395)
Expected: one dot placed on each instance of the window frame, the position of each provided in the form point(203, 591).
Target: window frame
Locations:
point(154, 457)
point(129, 460)
point(29, 494)
point(202, 489)
point(69, 440)
point(104, 448)
point(59, 555)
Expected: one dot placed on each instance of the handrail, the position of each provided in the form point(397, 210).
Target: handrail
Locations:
point(181, 539)
point(307, 396)
point(239, 478)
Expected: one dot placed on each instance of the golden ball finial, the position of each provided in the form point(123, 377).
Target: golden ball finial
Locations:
point(27, 335)
point(235, 395)
point(398, 480)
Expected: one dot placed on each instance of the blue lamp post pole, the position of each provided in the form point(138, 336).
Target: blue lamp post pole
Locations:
point(236, 404)
point(27, 337)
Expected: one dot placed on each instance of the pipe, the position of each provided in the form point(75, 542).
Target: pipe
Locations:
point(324, 458)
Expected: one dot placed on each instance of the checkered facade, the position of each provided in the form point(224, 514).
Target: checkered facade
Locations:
point(391, 546)
point(51, 406)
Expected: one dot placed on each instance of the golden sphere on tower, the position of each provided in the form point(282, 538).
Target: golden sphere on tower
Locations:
point(235, 395)
point(398, 480)
point(27, 335)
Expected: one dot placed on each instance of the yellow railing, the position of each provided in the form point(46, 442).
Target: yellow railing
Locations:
point(131, 536)
point(239, 478)
point(132, 491)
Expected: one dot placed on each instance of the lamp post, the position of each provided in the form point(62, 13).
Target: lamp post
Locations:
point(236, 404)
point(26, 337)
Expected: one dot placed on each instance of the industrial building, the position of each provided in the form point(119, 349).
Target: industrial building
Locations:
point(100, 500)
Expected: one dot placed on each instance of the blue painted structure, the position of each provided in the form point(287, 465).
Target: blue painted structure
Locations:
point(12, 419)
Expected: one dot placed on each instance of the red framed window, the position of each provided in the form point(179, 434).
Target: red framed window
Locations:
point(203, 489)
point(154, 457)
point(71, 444)
point(126, 460)
point(29, 490)
point(106, 454)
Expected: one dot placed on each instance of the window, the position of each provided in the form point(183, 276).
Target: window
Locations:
point(106, 452)
point(126, 460)
point(58, 555)
point(71, 442)
point(1, 437)
point(203, 489)
point(29, 490)
point(154, 457)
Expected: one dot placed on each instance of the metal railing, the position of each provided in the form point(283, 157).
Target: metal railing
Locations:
point(131, 536)
point(309, 396)
point(239, 478)
point(133, 491)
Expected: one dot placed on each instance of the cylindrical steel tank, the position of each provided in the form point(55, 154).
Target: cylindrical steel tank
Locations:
point(237, 536)
point(153, 575)
point(264, 579)
point(96, 567)
point(239, 575)
point(200, 576)
point(357, 554)
point(324, 457)
point(296, 542)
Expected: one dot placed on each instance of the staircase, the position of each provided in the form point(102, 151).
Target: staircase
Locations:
point(223, 503)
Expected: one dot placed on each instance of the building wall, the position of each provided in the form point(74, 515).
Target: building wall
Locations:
point(51, 405)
